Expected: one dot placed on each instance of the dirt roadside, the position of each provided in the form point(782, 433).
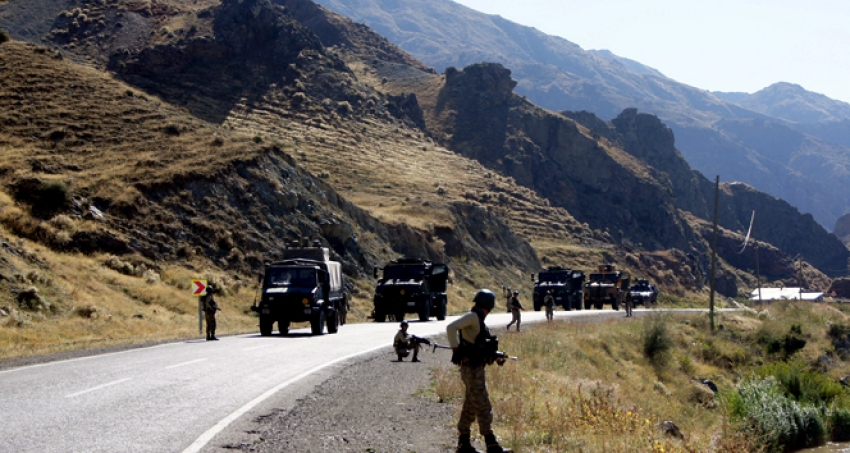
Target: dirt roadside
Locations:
point(372, 405)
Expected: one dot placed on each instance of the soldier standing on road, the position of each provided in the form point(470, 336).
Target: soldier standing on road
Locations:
point(403, 343)
point(210, 307)
point(515, 309)
point(549, 303)
point(468, 337)
point(629, 304)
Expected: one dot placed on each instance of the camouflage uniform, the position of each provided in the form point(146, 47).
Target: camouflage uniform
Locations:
point(549, 303)
point(465, 332)
point(403, 344)
point(210, 307)
point(516, 316)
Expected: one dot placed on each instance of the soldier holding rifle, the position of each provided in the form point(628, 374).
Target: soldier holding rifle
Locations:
point(472, 349)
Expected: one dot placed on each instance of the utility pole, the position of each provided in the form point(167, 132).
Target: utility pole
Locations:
point(756, 243)
point(714, 252)
point(800, 276)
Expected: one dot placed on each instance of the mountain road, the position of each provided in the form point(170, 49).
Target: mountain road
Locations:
point(177, 397)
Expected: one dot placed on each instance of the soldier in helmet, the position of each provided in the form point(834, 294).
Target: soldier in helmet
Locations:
point(468, 336)
point(515, 307)
point(549, 303)
point(404, 342)
point(210, 307)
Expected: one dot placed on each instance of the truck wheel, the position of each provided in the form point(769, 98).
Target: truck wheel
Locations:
point(265, 327)
point(317, 324)
point(597, 305)
point(333, 322)
point(536, 306)
point(282, 327)
point(586, 305)
point(441, 310)
point(425, 312)
point(615, 304)
point(380, 317)
point(399, 317)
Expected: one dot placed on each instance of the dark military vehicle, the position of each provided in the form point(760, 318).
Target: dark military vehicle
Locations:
point(643, 293)
point(305, 286)
point(411, 286)
point(566, 286)
point(607, 286)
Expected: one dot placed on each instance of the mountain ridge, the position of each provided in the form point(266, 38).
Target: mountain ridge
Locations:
point(558, 75)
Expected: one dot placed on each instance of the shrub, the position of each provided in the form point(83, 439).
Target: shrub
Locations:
point(4, 36)
point(49, 198)
point(782, 423)
point(802, 384)
point(656, 340)
point(839, 425)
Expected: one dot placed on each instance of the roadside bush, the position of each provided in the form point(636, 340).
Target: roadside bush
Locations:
point(784, 424)
point(803, 385)
point(656, 340)
point(839, 425)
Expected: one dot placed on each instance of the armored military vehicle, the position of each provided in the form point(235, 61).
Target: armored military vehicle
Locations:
point(643, 293)
point(411, 285)
point(566, 286)
point(606, 286)
point(305, 286)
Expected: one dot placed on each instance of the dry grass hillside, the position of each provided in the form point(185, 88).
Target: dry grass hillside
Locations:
point(222, 129)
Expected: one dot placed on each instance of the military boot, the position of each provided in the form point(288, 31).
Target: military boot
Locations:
point(493, 445)
point(464, 444)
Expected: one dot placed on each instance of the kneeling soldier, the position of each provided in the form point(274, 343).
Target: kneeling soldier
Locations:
point(404, 342)
point(468, 337)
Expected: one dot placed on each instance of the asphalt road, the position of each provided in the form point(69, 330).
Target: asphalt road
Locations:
point(176, 397)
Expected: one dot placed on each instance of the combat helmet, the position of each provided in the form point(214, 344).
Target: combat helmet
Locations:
point(485, 299)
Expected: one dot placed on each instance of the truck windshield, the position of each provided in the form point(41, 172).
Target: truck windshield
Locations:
point(554, 277)
point(298, 277)
point(404, 272)
point(603, 278)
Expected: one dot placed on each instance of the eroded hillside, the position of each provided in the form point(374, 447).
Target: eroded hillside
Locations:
point(197, 138)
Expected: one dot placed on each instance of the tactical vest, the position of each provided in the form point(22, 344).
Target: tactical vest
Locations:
point(483, 350)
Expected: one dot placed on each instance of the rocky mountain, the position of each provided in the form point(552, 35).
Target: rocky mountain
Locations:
point(793, 103)
point(715, 134)
point(216, 130)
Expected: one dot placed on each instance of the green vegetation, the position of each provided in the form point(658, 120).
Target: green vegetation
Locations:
point(587, 387)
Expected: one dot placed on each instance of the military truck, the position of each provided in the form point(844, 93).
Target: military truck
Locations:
point(566, 286)
point(411, 285)
point(606, 286)
point(643, 293)
point(304, 286)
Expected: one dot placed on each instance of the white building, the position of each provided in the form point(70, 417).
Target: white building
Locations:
point(768, 294)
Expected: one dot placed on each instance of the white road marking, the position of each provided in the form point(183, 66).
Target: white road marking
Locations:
point(97, 388)
point(257, 347)
point(204, 439)
point(38, 365)
point(185, 363)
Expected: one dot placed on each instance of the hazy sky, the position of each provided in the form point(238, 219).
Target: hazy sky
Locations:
point(717, 45)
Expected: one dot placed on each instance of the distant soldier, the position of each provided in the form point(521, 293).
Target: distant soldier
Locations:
point(468, 337)
point(404, 342)
point(549, 303)
point(630, 304)
point(515, 309)
point(508, 295)
point(210, 307)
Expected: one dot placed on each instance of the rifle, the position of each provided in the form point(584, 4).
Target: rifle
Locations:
point(497, 354)
point(420, 340)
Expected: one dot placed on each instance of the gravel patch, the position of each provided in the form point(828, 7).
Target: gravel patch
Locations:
point(372, 405)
